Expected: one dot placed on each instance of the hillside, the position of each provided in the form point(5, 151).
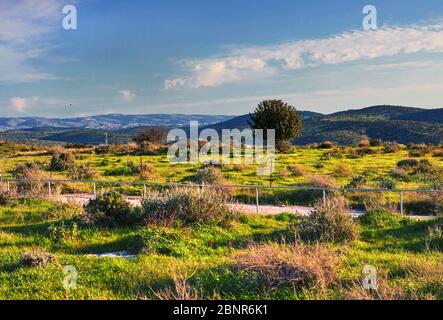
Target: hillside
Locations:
point(390, 123)
point(108, 122)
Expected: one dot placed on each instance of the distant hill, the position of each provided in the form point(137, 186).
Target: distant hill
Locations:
point(241, 122)
point(109, 122)
point(389, 123)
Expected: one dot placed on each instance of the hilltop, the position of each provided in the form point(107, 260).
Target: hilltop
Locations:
point(389, 123)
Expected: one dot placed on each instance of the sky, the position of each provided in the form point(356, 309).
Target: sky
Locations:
point(217, 56)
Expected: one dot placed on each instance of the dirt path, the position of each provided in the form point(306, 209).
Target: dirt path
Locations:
point(239, 207)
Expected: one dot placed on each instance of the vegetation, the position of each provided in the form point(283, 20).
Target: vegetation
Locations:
point(109, 210)
point(246, 259)
point(277, 115)
point(329, 223)
point(186, 206)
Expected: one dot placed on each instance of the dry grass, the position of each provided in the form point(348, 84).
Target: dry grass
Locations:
point(37, 258)
point(364, 143)
point(322, 181)
point(297, 171)
point(426, 273)
point(343, 171)
point(298, 264)
point(181, 290)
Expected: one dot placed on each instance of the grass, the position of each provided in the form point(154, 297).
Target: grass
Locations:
point(200, 261)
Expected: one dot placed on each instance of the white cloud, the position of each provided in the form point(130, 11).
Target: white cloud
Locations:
point(18, 104)
point(127, 95)
point(26, 27)
point(246, 63)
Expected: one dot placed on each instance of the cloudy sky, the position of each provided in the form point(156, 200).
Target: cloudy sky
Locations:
point(216, 56)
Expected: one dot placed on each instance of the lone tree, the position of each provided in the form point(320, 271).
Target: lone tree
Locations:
point(154, 135)
point(278, 115)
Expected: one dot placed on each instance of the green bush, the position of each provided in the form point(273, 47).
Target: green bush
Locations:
point(61, 161)
point(187, 206)
point(109, 210)
point(167, 242)
point(330, 223)
point(380, 218)
point(407, 163)
point(81, 172)
point(63, 231)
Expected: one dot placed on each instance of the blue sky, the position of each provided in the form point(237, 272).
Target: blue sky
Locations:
point(216, 57)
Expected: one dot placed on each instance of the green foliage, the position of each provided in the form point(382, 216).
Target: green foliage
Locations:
point(63, 231)
point(380, 218)
point(109, 210)
point(81, 171)
point(407, 163)
point(61, 161)
point(330, 223)
point(187, 206)
point(277, 115)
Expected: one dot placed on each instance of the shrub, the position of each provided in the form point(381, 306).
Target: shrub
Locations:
point(326, 145)
point(187, 206)
point(283, 145)
point(297, 171)
point(399, 173)
point(145, 170)
point(364, 143)
point(154, 135)
point(30, 171)
point(63, 231)
point(357, 182)
point(407, 163)
point(109, 210)
point(375, 142)
point(418, 150)
point(283, 174)
point(81, 172)
point(366, 150)
point(295, 265)
point(424, 167)
point(343, 170)
point(5, 198)
point(438, 153)
point(319, 165)
point(391, 147)
point(380, 218)
point(386, 183)
point(424, 204)
point(367, 200)
point(61, 161)
point(210, 175)
point(329, 223)
point(170, 242)
point(320, 181)
point(37, 258)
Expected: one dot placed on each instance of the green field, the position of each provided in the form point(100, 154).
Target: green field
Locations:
point(208, 260)
point(408, 261)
